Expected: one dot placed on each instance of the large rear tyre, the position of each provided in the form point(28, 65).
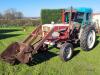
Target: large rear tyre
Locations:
point(66, 51)
point(87, 38)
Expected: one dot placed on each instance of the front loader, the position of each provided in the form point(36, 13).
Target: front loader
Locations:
point(23, 51)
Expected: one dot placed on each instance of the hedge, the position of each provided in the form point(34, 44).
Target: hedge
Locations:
point(20, 22)
point(49, 15)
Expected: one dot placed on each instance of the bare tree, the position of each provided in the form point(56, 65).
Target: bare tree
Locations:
point(19, 15)
point(1, 16)
point(9, 13)
point(12, 14)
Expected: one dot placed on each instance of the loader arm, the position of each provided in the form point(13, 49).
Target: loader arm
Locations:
point(23, 51)
point(33, 35)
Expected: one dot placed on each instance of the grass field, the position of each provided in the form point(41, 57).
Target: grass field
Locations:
point(82, 63)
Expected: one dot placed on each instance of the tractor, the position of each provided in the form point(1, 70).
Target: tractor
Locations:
point(76, 27)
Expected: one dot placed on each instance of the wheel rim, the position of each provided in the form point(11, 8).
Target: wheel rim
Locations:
point(68, 53)
point(91, 39)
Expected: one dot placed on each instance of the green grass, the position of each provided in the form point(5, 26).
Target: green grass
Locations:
point(83, 63)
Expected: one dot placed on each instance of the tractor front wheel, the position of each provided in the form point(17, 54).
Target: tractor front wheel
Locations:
point(66, 51)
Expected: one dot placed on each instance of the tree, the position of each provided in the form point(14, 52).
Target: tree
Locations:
point(19, 15)
point(9, 13)
point(1, 16)
point(12, 14)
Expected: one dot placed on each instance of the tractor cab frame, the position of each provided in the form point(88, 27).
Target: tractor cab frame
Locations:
point(80, 15)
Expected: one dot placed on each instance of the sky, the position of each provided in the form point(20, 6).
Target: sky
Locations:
point(32, 8)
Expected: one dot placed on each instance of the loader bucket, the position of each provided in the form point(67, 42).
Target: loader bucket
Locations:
point(16, 51)
point(9, 52)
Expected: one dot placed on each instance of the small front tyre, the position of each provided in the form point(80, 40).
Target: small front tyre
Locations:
point(66, 51)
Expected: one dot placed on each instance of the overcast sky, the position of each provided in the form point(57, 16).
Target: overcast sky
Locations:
point(32, 8)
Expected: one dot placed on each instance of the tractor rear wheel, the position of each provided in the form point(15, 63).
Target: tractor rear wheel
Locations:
point(66, 51)
point(87, 38)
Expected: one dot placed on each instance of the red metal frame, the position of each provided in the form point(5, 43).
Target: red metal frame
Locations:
point(66, 34)
point(63, 16)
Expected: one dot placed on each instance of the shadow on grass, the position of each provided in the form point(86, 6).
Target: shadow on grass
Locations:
point(97, 37)
point(8, 30)
point(75, 53)
point(96, 43)
point(51, 47)
point(4, 36)
point(45, 56)
point(41, 57)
